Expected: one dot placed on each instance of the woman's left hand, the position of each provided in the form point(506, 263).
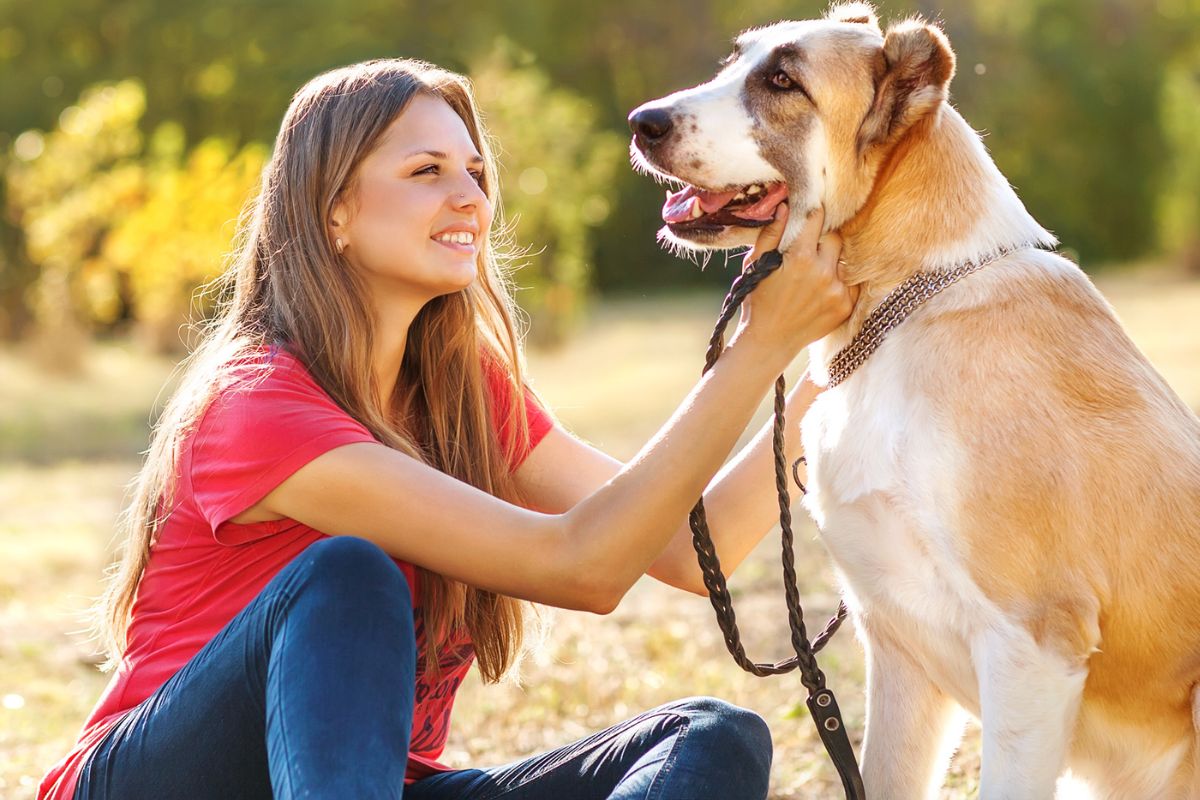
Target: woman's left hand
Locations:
point(813, 254)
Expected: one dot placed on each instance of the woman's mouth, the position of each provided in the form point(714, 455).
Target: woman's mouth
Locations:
point(459, 241)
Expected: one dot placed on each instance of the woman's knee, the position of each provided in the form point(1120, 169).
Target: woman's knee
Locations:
point(349, 567)
point(732, 733)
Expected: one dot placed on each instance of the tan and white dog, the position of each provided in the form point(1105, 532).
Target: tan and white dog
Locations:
point(1009, 491)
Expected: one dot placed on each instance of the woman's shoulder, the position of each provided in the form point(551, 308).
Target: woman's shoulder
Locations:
point(264, 362)
point(265, 374)
point(269, 386)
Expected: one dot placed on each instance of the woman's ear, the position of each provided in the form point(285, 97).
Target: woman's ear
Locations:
point(917, 65)
point(339, 216)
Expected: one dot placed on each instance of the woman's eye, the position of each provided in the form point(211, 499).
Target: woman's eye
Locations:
point(432, 169)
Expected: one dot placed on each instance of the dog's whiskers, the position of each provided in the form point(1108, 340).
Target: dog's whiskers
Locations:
point(641, 165)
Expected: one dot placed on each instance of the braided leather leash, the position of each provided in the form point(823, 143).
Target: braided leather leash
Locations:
point(821, 702)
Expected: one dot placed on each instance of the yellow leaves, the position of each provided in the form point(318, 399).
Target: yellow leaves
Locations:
point(179, 235)
point(119, 230)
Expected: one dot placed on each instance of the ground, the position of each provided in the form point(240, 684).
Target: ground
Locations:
point(68, 447)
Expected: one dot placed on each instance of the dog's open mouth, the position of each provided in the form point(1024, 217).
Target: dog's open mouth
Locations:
point(695, 209)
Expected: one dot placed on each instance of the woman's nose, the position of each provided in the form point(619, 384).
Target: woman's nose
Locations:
point(468, 193)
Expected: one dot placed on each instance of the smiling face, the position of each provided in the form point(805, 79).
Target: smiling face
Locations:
point(414, 216)
point(777, 122)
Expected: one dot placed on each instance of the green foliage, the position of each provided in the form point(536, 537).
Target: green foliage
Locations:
point(1087, 106)
point(1179, 203)
point(1068, 92)
point(65, 190)
point(178, 236)
point(556, 182)
point(116, 233)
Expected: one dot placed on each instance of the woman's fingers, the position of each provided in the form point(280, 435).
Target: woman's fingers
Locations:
point(810, 234)
point(807, 297)
point(769, 237)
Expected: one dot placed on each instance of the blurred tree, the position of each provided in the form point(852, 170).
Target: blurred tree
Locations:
point(116, 234)
point(1069, 93)
point(556, 181)
point(65, 190)
point(1180, 201)
point(179, 234)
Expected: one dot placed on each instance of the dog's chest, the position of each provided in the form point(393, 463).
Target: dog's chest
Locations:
point(881, 488)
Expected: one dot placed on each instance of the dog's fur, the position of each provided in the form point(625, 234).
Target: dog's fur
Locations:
point(1010, 492)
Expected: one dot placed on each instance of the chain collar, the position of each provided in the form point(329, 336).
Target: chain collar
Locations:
point(895, 308)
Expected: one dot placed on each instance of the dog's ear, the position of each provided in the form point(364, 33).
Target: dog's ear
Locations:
point(912, 79)
point(858, 13)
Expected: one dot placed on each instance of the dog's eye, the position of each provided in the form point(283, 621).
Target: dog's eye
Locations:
point(781, 80)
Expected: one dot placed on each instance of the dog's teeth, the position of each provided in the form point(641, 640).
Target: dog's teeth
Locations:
point(755, 189)
point(697, 211)
point(739, 196)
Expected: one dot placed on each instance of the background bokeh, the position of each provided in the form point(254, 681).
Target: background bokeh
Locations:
point(132, 133)
point(132, 130)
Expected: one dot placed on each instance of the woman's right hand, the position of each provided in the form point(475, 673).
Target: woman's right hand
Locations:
point(805, 298)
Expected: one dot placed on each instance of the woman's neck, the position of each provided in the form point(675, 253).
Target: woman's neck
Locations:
point(392, 323)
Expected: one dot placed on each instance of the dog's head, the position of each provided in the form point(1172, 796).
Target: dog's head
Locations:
point(802, 111)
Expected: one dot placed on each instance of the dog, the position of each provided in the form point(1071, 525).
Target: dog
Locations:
point(1008, 490)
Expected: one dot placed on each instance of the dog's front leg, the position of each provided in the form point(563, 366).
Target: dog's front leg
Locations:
point(912, 727)
point(1028, 698)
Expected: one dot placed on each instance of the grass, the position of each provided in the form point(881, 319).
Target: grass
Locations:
point(68, 446)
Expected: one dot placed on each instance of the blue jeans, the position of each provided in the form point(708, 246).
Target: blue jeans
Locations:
point(308, 692)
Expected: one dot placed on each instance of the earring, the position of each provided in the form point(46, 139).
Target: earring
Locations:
point(339, 246)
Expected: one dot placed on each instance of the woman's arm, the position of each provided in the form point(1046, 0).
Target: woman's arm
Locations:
point(589, 556)
point(740, 503)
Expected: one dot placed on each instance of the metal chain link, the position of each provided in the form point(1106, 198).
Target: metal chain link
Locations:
point(894, 309)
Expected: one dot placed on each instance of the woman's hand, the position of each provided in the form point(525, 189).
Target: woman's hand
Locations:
point(803, 300)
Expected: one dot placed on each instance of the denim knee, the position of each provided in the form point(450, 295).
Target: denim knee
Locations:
point(738, 734)
point(349, 567)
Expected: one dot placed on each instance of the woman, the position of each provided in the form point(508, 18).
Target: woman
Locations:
point(335, 515)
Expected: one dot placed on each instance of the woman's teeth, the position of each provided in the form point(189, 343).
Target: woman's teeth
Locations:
point(457, 237)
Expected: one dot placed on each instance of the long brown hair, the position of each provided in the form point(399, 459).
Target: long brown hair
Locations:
point(285, 282)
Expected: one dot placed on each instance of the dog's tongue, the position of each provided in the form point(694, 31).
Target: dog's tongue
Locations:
point(764, 208)
point(678, 207)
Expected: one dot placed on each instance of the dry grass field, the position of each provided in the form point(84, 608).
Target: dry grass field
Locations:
point(69, 445)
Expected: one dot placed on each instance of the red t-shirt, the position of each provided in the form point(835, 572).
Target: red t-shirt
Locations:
point(204, 568)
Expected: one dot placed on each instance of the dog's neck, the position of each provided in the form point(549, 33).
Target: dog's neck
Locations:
point(938, 200)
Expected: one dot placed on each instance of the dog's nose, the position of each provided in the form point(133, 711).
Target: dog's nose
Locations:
point(650, 124)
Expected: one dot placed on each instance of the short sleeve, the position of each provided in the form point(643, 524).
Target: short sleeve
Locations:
point(259, 431)
point(537, 420)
